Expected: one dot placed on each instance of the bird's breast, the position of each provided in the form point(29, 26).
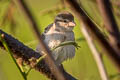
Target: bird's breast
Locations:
point(53, 40)
point(62, 53)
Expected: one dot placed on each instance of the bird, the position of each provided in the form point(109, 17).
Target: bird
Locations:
point(59, 31)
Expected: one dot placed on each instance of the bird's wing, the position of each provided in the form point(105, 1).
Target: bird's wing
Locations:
point(48, 27)
point(43, 36)
point(46, 30)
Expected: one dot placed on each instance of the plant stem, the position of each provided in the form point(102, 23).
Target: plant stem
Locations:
point(66, 43)
point(10, 52)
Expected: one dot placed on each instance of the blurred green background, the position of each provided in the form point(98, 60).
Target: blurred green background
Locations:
point(82, 66)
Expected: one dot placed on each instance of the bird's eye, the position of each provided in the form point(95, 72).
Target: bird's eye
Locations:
point(65, 21)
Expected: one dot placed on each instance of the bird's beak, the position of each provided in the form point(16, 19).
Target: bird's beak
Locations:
point(72, 24)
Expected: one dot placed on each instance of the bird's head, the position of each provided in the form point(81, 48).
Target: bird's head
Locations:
point(65, 21)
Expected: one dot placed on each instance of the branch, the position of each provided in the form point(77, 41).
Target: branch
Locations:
point(33, 24)
point(82, 16)
point(109, 21)
point(95, 54)
point(19, 50)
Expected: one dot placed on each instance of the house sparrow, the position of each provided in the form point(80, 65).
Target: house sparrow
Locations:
point(59, 31)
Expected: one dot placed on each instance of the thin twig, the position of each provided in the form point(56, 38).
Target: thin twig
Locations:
point(95, 54)
point(105, 45)
point(66, 43)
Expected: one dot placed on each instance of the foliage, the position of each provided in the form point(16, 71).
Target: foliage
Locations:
point(82, 66)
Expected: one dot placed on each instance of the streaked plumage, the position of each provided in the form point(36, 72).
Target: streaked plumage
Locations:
point(58, 32)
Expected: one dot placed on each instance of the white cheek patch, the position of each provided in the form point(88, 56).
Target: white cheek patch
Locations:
point(65, 26)
point(62, 24)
